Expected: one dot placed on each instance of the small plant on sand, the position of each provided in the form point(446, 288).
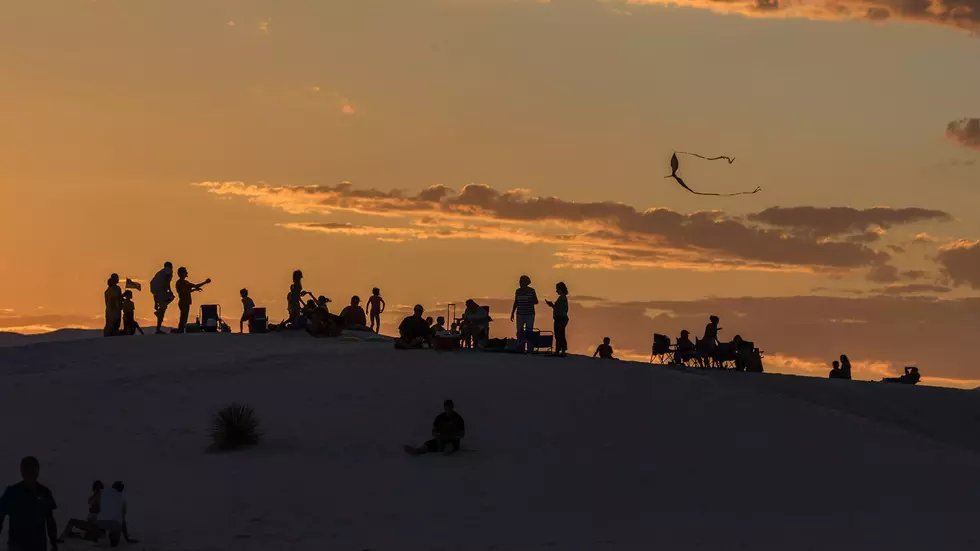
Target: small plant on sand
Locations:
point(235, 426)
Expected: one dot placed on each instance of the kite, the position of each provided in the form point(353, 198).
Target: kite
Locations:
point(675, 164)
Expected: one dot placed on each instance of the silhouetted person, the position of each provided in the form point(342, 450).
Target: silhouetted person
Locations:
point(709, 342)
point(113, 306)
point(524, 300)
point(248, 310)
point(413, 331)
point(184, 290)
point(559, 311)
point(475, 324)
point(604, 350)
point(685, 348)
point(88, 527)
point(162, 295)
point(845, 367)
point(30, 507)
point(448, 430)
point(353, 314)
point(439, 327)
point(376, 307)
point(112, 515)
point(835, 372)
point(294, 300)
point(911, 377)
point(322, 322)
point(130, 327)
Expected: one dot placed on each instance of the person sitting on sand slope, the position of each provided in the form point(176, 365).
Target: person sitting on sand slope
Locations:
point(439, 328)
point(605, 350)
point(90, 531)
point(911, 377)
point(835, 372)
point(130, 327)
point(685, 348)
point(413, 331)
point(447, 431)
point(112, 515)
point(354, 316)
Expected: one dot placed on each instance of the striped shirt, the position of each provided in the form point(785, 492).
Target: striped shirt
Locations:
point(525, 297)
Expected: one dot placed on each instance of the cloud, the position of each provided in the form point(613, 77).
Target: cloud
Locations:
point(594, 234)
point(913, 289)
point(264, 25)
point(883, 273)
point(961, 14)
point(966, 132)
point(960, 262)
point(836, 221)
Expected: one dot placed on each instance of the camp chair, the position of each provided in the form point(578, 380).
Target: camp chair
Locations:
point(541, 340)
point(662, 351)
point(210, 318)
point(259, 322)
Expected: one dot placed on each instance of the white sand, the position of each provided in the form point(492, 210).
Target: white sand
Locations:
point(570, 454)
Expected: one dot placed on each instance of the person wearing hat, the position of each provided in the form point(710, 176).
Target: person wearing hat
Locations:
point(354, 316)
point(413, 331)
point(448, 431)
point(685, 348)
point(162, 294)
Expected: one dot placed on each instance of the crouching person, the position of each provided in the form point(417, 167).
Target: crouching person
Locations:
point(112, 515)
point(448, 431)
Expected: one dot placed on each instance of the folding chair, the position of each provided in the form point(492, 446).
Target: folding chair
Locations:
point(210, 318)
point(662, 351)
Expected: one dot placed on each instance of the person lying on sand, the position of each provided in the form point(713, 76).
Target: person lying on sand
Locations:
point(89, 530)
point(413, 331)
point(911, 377)
point(605, 350)
point(447, 431)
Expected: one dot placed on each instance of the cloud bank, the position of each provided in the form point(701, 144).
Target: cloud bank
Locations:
point(960, 14)
point(599, 234)
point(966, 132)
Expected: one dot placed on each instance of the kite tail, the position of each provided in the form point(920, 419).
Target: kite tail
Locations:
point(727, 158)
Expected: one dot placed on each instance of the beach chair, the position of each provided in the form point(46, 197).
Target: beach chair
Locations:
point(662, 350)
point(541, 340)
point(211, 318)
point(259, 322)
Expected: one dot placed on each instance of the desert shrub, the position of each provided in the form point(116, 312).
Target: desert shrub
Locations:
point(235, 426)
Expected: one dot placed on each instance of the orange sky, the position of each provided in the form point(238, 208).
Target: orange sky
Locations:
point(483, 139)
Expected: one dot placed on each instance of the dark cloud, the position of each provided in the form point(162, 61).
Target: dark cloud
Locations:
point(961, 14)
point(960, 263)
point(613, 232)
point(966, 132)
point(834, 221)
point(884, 273)
point(913, 289)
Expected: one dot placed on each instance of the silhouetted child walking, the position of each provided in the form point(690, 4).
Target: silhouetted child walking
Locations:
point(376, 307)
point(130, 327)
point(248, 310)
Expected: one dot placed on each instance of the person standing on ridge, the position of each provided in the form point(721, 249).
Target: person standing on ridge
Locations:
point(113, 306)
point(184, 290)
point(524, 300)
point(560, 314)
point(294, 300)
point(162, 294)
point(376, 307)
point(248, 310)
point(30, 507)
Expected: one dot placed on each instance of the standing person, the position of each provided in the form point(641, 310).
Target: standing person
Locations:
point(845, 367)
point(130, 327)
point(708, 343)
point(30, 507)
point(113, 306)
point(524, 300)
point(184, 290)
point(248, 310)
point(376, 307)
point(162, 295)
point(112, 515)
point(560, 313)
point(294, 300)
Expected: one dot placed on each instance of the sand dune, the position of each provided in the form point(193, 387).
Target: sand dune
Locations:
point(568, 454)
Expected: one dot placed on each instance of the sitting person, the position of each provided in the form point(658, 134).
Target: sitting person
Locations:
point(911, 377)
point(447, 430)
point(354, 316)
point(112, 515)
point(605, 350)
point(322, 322)
point(439, 328)
point(413, 331)
point(835, 372)
point(130, 326)
point(685, 348)
point(89, 530)
point(475, 325)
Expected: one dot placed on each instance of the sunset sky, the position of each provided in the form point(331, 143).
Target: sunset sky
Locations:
point(439, 149)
